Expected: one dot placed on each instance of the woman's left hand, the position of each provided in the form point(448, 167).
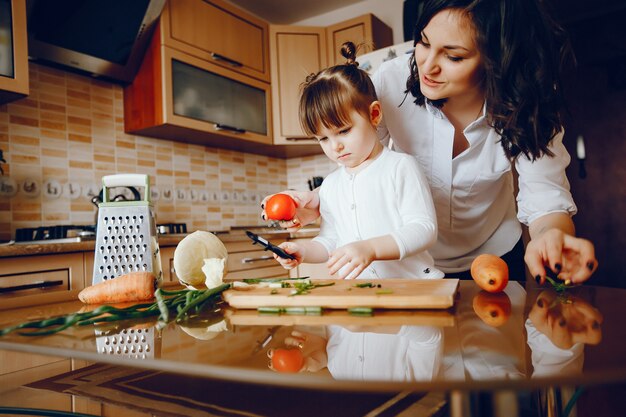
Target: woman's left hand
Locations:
point(571, 258)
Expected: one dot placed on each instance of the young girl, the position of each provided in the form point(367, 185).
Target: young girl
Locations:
point(377, 206)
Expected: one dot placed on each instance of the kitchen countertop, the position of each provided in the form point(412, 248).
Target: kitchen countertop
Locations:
point(233, 235)
point(482, 343)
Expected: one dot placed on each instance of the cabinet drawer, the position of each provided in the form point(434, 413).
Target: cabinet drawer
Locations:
point(31, 280)
point(34, 283)
point(219, 32)
point(268, 272)
point(250, 260)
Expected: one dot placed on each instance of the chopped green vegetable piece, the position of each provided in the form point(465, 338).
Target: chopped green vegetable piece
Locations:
point(558, 286)
point(361, 311)
point(313, 311)
point(269, 310)
point(364, 285)
point(295, 310)
point(387, 291)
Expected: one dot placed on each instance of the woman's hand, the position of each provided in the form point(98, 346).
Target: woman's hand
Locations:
point(571, 258)
point(307, 209)
point(351, 259)
point(566, 320)
point(292, 249)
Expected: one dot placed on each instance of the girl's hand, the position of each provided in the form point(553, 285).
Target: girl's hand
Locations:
point(307, 209)
point(571, 258)
point(351, 259)
point(292, 249)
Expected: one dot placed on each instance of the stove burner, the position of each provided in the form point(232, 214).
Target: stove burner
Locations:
point(171, 228)
point(28, 234)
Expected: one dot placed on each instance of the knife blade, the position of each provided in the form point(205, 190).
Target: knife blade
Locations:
point(268, 246)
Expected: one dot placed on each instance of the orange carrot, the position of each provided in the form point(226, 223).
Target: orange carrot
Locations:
point(134, 286)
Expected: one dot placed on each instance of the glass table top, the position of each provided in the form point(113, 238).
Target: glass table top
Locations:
point(523, 338)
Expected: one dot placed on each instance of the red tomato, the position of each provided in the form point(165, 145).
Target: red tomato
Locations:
point(287, 360)
point(280, 207)
point(490, 272)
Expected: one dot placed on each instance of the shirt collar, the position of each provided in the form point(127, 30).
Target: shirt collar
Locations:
point(439, 114)
point(433, 110)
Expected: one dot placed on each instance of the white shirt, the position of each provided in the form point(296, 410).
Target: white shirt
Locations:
point(390, 196)
point(473, 193)
point(414, 353)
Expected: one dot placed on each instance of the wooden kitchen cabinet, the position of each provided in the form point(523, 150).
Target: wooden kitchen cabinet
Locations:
point(256, 263)
point(13, 51)
point(167, 264)
point(218, 32)
point(181, 97)
point(367, 30)
point(30, 280)
point(296, 52)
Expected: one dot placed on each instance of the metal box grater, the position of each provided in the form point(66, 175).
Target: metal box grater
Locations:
point(136, 343)
point(126, 238)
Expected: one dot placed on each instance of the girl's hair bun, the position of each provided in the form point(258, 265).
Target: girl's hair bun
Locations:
point(348, 51)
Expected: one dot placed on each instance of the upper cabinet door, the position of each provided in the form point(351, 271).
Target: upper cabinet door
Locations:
point(218, 32)
point(367, 32)
point(296, 51)
point(13, 50)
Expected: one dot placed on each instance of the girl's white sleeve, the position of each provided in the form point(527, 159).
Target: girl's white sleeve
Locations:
point(415, 205)
point(328, 232)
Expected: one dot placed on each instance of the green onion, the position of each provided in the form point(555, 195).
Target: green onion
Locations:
point(269, 310)
point(361, 311)
point(182, 301)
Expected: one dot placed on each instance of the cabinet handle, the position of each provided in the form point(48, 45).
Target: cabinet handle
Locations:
point(295, 139)
point(261, 258)
point(37, 284)
point(218, 127)
point(232, 62)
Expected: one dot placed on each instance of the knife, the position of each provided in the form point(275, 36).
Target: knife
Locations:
point(268, 246)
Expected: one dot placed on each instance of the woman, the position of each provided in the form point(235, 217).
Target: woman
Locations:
point(486, 97)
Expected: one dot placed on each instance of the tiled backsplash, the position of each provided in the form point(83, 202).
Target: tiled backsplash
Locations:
point(69, 132)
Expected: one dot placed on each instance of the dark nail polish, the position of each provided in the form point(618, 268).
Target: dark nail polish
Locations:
point(540, 303)
point(562, 322)
point(263, 216)
point(590, 265)
point(262, 206)
point(538, 279)
point(557, 267)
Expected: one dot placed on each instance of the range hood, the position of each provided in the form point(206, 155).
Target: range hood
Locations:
point(101, 38)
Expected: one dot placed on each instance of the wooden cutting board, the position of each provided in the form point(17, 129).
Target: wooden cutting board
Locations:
point(393, 293)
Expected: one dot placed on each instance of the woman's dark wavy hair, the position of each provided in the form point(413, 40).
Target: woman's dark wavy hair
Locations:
point(523, 51)
point(328, 97)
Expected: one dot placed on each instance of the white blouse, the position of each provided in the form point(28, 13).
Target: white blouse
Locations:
point(390, 196)
point(473, 193)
